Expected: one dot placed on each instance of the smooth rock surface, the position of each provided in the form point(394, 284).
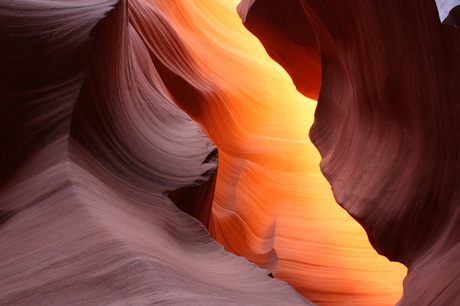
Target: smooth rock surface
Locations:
point(91, 144)
point(387, 126)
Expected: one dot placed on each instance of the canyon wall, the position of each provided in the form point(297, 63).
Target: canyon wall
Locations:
point(91, 144)
point(386, 123)
point(117, 114)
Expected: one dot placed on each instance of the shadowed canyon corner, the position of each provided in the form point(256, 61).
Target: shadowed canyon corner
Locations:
point(227, 152)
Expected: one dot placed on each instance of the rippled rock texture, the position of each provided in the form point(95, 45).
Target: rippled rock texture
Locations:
point(107, 113)
point(386, 124)
point(91, 144)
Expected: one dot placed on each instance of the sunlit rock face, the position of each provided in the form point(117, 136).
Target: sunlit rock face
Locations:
point(387, 126)
point(107, 110)
point(271, 202)
point(91, 144)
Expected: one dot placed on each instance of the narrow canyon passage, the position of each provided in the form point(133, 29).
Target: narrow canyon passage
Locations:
point(116, 114)
point(270, 193)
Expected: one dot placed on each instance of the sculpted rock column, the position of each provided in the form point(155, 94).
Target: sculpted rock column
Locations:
point(387, 127)
point(91, 143)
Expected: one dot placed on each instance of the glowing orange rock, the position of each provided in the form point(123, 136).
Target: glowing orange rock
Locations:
point(386, 126)
point(91, 144)
point(270, 193)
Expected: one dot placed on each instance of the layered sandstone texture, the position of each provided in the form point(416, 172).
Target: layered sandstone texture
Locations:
point(387, 122)
point(91, 144)
point(271, 202)
point(111, 113)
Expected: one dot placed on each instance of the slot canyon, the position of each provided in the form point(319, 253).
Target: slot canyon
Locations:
point(229, 152)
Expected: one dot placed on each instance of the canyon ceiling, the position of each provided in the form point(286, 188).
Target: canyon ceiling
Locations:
point(262, 152)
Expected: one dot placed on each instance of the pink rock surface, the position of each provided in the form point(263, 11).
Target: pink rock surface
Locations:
point(271, 203)
point(92, 143)
point(104, 107)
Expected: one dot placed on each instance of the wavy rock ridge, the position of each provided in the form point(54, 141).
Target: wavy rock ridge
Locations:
point(271, 203)
point(102, 106)
point(89, 133)
point(386, 124)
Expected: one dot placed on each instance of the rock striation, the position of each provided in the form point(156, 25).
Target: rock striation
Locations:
point(91, 144)
point(271, 202)
point(111, 113)
point(386, 123)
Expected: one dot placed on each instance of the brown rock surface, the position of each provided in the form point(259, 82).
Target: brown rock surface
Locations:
point(386, 126)
point(271, 203)
point(91, 143)
point(102, 108)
